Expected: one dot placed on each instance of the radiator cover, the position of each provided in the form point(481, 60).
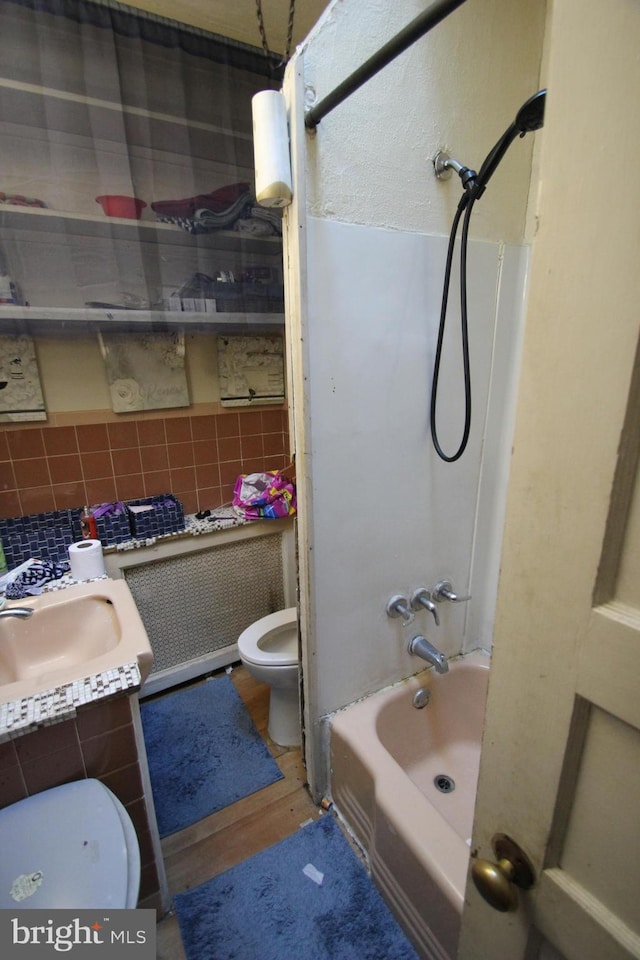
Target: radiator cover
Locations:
point(196, 603)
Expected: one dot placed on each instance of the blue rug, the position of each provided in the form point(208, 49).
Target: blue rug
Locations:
point(272, 907)
point(204, 753)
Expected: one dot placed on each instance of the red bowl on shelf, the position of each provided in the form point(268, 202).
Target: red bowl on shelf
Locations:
point(115, 206)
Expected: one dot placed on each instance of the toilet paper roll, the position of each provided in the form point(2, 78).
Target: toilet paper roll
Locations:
point(86, 560)
point(271, 149)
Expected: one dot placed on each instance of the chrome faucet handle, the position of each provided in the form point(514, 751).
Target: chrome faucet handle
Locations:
point(398, 606)
point(443, 590)
point(422, 598)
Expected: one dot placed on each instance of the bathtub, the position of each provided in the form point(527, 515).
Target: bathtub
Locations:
point(385, 755)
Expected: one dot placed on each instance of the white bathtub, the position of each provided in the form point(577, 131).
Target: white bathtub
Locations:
point(385, 754)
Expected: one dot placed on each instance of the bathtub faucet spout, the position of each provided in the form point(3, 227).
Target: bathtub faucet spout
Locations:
point(420, 647)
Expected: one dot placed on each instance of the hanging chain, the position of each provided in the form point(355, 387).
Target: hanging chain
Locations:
point(263, 35)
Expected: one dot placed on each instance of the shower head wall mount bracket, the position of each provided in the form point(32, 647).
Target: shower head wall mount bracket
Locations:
point(529, 117)
point(444, 166)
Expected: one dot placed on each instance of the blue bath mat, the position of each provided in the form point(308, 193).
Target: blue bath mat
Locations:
point(272, 907)
point(204, 753)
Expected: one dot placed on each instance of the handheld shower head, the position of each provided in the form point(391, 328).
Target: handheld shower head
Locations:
point(529, 117)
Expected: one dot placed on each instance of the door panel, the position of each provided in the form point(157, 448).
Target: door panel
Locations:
point(599, 851)
point(628, 590)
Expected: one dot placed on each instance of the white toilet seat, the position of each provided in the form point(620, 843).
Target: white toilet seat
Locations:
point(271, 641)
point(71, 846)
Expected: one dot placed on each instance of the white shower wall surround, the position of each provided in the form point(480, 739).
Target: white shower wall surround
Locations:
point(386, 515)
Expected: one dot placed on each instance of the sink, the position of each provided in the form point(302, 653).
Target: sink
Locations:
point(73, 633)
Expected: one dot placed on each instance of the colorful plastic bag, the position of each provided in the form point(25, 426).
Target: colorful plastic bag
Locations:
point(264, 496)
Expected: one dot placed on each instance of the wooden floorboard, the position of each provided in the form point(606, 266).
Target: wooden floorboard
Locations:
point(226, 838)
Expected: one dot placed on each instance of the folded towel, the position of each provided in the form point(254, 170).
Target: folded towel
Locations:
point(272, 215)
point(206, 221)
point(217, 202)
point(31, 581)
point(19, 201)
point(256, 228)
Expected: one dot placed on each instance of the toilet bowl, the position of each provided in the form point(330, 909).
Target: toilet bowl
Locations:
point(71, 846)
point(269, 651)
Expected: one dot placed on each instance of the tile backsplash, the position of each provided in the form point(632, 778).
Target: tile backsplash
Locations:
point(197, 458)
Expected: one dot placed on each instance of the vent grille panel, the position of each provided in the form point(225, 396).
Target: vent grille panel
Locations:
point(197, 603)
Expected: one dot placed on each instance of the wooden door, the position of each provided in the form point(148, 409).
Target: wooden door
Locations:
point(560, 770)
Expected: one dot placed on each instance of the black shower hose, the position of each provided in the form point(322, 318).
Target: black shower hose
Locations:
point(465, 206)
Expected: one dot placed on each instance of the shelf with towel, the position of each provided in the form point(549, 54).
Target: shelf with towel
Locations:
point(14, 219)
point(71, 148)
point(90, 119)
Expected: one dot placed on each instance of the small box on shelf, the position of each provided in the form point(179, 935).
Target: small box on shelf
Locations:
point(40, 535)
point(155, 516)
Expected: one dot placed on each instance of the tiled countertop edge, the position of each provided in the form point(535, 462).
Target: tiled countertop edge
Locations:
point(19, 717)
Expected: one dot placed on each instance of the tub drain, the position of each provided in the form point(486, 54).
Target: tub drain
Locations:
point(444, 783)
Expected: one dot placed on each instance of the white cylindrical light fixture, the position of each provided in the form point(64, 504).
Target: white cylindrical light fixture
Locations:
point(271, 149)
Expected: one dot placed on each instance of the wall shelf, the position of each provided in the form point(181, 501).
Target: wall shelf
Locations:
point(149, 123)
point(20, 219)
point(61, 320)
point(20, 102)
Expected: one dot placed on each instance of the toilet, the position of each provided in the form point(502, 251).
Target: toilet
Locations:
point(269, 651)
point(72, 846)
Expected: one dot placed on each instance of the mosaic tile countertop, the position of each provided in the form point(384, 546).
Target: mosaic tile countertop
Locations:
point(19, 717)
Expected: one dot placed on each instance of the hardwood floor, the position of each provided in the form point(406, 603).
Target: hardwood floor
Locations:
point(235, 833)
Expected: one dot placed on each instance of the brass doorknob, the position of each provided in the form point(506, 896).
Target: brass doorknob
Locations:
point(497, 882)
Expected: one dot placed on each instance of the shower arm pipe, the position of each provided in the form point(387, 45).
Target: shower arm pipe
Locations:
point(420, 25)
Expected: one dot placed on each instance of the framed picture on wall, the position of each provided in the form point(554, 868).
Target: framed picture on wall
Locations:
point(145, 371)
point(20, 391)
point(251, 370)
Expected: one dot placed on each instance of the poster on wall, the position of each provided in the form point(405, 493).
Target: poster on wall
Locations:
point(20, 391)
point(145, 371)
point(251, 370)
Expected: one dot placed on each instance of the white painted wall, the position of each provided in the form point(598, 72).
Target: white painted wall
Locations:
point(457, 88)
point(366, 244)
